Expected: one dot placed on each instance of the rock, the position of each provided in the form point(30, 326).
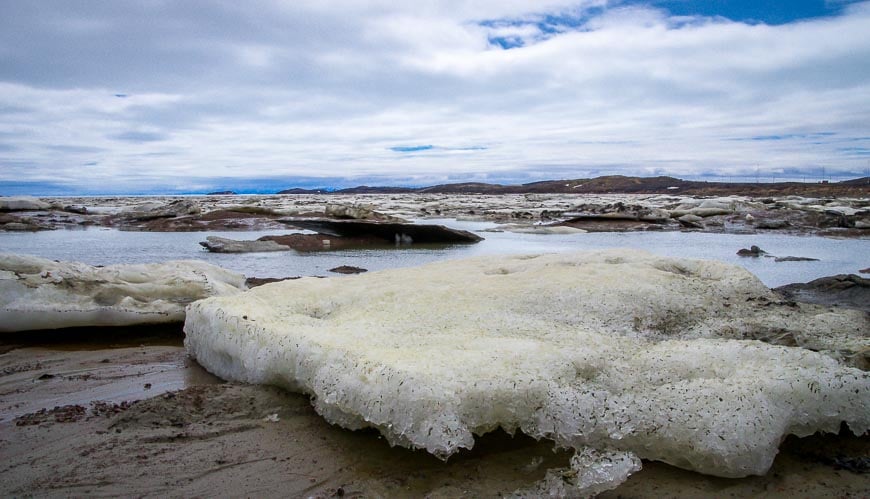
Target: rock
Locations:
point(704, 207)
point(217, 244)
point(753, 251)
point(846, 290)
point(21, 227)
point(347, 269)
point(386, 231)
point(795, 259)
point(79, 210)
point(772, 224)
point(36, 293)
point(22, 203)
point(356, 212)
point(865, 271)
point(691, 221)
point(749, 218)
point(619, 211)
point(323, 242)
point(253, 282)
point(537, 229)
point(841, 218)
point(862, 224)
point(153, 210)
point(604, 350)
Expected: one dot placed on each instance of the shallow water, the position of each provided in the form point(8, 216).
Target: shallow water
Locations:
point(100, 246)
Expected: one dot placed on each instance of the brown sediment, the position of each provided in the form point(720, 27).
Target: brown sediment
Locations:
point(228, 440)
point(347, 269)
point(323, 242)
point(614, 225)
point(135, 417)
point(253, 282)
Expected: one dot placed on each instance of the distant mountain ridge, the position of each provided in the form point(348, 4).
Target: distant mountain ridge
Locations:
point(618, 184)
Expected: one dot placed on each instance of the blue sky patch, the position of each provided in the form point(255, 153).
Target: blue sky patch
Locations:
point(507, 42)
point(786, 136)
point(752, 11)
point(412, 148)
point(772, 12)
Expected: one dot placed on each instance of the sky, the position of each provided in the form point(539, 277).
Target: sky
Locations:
point(165, 96)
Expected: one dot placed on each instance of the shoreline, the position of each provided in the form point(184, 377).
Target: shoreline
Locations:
point(224, 439)
point(102, 413)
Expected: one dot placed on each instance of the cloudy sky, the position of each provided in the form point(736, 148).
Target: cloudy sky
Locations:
point(192, 96)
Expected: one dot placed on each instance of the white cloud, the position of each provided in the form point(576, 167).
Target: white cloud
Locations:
point(281, 89)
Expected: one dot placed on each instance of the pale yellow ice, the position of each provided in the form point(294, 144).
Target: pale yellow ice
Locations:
point(615, 350)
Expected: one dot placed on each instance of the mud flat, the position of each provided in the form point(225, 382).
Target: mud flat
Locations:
point(228, 440)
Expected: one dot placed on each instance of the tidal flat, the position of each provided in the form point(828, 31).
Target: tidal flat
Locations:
point(127, 412)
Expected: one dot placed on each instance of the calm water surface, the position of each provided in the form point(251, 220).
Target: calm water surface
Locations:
point(100, 246)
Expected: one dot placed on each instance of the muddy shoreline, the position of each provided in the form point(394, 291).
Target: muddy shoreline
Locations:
point(111, 412)
point(144, 435)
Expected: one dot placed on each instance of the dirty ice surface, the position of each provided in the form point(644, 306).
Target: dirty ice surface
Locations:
point(627, 353)
point(36, 293)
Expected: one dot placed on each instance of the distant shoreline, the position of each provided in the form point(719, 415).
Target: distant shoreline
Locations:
point(612, 184)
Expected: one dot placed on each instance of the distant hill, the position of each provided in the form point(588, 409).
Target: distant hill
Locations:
point(364, 189)
point(297, 190)
point(857, 181)
point(618, 184)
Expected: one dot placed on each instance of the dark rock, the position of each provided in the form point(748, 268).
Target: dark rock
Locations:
point(217, 244)
point(753, 251)
point(389, 232)
point(620, 211)
point(79, 210)
point(845, 290)
point(347, 269)
point(253, 282)
point(324, 242)
point(795, 259)
point(772, 224)
point(865, 271)
point(841, 219)
point(21, 227)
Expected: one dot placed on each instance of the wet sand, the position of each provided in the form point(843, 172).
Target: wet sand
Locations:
point(136, 417)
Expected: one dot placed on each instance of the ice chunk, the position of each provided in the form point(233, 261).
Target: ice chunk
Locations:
point(22, 203)
point(616, 350)
point(592, 472)
point(36, 293)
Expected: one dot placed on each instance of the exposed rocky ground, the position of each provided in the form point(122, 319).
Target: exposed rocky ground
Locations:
point(604, 204)
point(847, 290)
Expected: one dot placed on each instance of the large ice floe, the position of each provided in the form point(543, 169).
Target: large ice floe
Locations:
point(620, 355)
point(36, 293)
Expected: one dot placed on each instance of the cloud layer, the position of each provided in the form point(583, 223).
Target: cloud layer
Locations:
point(136, 96)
